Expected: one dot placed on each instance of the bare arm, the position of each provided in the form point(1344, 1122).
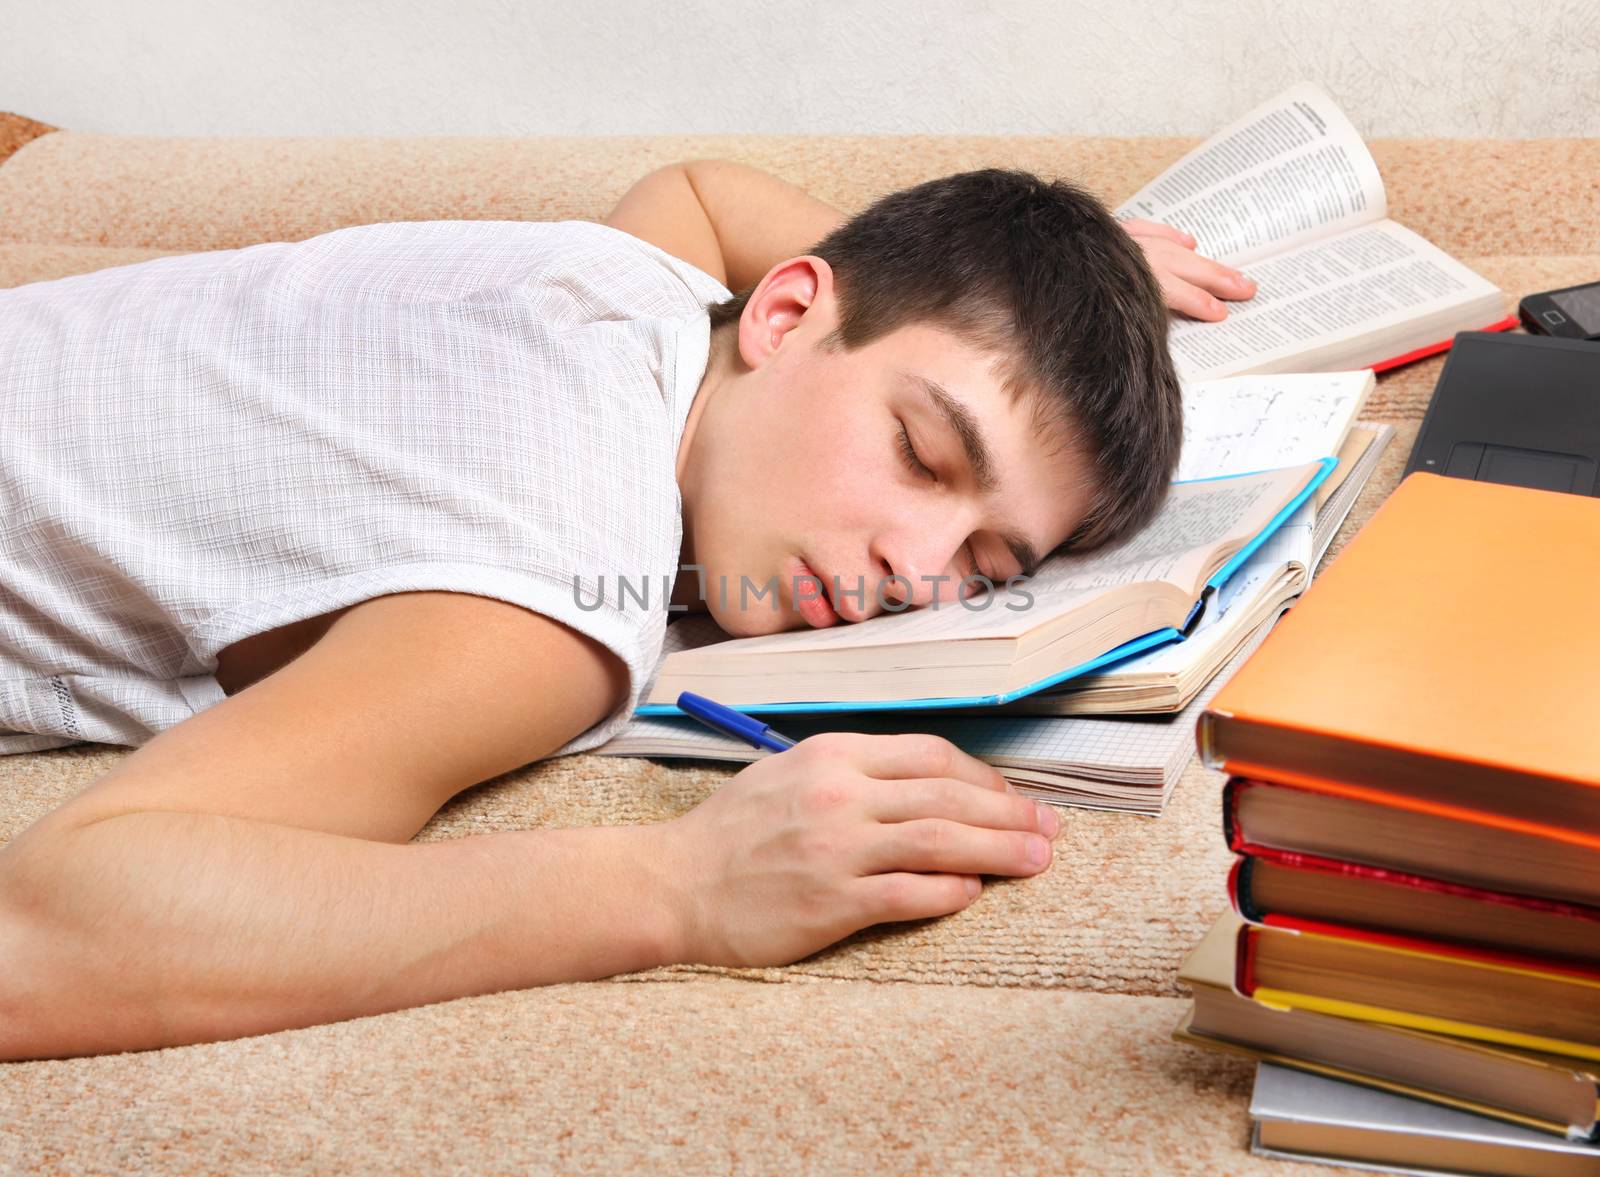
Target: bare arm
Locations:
point(737, 222)
point(248, 870)
point(734, 222)
point(157, 929)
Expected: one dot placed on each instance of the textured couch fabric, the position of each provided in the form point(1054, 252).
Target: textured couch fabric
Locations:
point(1028, 1033)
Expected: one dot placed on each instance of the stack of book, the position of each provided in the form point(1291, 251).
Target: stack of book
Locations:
point(1085, 687)
point(1414, 802)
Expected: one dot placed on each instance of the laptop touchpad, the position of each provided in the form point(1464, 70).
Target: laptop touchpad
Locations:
point(1538, 469)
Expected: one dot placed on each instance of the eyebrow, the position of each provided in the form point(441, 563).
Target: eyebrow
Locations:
point(979, 457)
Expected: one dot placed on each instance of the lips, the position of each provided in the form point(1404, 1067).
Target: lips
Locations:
point(815, 610)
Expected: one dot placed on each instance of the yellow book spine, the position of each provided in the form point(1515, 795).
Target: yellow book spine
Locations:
point(1283, 999)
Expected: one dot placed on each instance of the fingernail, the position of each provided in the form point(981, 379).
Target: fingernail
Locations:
point(1049, 822)
point(973, 886)
point(1038, 850)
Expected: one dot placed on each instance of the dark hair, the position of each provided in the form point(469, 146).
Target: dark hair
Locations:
point(1039, 272)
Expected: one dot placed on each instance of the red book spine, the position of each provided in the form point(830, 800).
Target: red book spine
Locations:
point(1230, 811)
point(1244, 962)
point(1296, 860)
point(1434, 349)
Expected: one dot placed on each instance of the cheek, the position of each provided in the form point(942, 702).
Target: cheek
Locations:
point(847, 484)
point(811, 460)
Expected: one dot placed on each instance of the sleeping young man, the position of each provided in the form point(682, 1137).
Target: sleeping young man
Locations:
point(315, 527)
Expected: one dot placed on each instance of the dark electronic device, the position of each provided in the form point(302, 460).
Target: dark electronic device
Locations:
point(1518, 409)
point(1573, 312)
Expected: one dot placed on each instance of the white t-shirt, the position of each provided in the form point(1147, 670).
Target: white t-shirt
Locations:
point(195, 449)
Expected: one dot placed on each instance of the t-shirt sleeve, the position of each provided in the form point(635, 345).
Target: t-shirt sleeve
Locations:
point(700, 286)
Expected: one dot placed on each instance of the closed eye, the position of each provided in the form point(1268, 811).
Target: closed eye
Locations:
point(921, 469)
point(909, 453)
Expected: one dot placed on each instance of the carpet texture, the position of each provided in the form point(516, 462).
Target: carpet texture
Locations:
point(1028, 1033)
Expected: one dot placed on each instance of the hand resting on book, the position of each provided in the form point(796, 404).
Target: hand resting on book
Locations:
point(842, 831)
point(1188, 279)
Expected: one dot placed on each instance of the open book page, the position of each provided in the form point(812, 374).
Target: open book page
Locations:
point(691, 631)
point(1292, 170)
point(1197, 519)
point(688, 631)
point(1290, 544)
point(1247, 423)
point(1264, 573)
point(1337, 289)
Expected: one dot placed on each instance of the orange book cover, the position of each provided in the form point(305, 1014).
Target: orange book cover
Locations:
point(1458, 626)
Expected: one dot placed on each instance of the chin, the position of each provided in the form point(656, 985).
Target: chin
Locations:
point(756, 621)
point(754, 616)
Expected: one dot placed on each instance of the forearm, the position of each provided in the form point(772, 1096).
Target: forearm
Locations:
point(156, 929)
point(759, 219)
point(736, 222)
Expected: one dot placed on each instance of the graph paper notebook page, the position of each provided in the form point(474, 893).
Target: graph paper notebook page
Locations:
point(1245, 423)
point(1077, 611)
point(1290, 194)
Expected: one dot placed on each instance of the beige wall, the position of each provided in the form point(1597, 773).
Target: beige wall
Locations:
point(502, 67)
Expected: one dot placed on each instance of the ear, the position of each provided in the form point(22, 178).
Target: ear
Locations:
point(794, 292)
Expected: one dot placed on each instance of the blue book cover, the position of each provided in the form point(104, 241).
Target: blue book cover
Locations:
point(1127, 649)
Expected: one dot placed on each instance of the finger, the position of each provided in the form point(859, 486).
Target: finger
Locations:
point(1190, 300)
point(1209, 275)
point(919, 754)
point(1143, 228)
point(903, 895)
point(1205, 273)
point(955, 800)
point(934, 844)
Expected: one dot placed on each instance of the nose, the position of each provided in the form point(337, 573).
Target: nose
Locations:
point(910, 561)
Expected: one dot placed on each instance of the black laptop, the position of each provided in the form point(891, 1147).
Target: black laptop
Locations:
point(1519, 409)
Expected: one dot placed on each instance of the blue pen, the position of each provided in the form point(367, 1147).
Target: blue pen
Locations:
point(732, 723)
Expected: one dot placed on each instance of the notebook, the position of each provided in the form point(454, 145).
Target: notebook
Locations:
point(1521, 409)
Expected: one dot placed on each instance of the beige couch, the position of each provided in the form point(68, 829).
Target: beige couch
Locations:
point(1029, 1033)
